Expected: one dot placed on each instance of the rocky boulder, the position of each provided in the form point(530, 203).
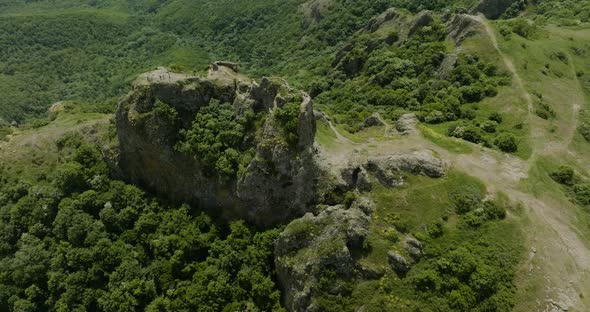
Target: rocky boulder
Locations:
point(276, 185)
point(389, 170)
point(414, 248)
point(312, 245)
point(398, 263)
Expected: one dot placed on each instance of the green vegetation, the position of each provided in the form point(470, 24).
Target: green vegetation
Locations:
point(577, 187)
point(288, 118)
point(564, 10)
point(74, 238)
point(82, 241)
point(563, 175)
point(217, 138)
point(392, 79)
point(470, 251)
point(42, 61)
point(506, 143)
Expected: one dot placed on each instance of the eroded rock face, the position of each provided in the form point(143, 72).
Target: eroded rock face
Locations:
point(278, 183)
point(312, 245)
point(492, 8)
point(463, 26)
point(416, 163)
point(422, 19)
point(390, 170)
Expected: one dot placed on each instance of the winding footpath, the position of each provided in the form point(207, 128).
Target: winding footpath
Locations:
point(556, 271)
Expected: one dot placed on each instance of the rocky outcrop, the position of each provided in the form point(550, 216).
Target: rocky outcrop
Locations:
point(407, 124)
point(398, 263)
point(276, 185)
point(415, 163)
point(492, 8)
point(422, 19)
point(463, 26)
point(314, 11)
point(378, 21)
point(385, 27)
point(374, 120)
point(389, 170)
point(414, 248)
point(312, 245)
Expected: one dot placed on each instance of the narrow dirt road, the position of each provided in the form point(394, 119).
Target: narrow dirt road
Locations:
point(507, 62)
point(559, 257)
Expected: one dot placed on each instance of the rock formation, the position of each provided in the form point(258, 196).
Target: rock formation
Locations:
point(311, 245)
point(492, 8)
point(278, 183)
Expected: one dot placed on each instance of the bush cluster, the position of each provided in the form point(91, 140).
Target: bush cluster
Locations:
point(474, 208)
point(88, 243)
point(217, 138)
point(577, 186)
point(394, 78)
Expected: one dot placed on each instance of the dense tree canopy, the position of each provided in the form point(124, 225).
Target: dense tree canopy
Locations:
point(85, 242)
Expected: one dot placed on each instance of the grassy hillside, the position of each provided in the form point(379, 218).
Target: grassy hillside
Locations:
point(511, 116)
point(116, 40)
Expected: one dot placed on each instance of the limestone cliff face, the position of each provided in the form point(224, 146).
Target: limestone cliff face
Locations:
point(277, 184)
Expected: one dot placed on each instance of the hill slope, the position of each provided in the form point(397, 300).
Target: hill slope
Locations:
point(449, 170)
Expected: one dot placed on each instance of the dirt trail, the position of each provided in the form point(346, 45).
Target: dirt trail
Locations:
point(558, 250)
point(577, 100)
point(559, 255)
point(507, 62)
point(339, 136)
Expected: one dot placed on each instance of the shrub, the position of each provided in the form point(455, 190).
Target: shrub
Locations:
point(523, 28)
point(70, 178)
point(493, 211)
point(435, 230)
point(466, 199)
point(506, 143)
point(542, 113)
point(489, 126)
point(288, 117)
point(473, 134)
point(435, 117)
point(349, 198)
point(427, 280)
point(468, 133)
point(582, 192)
point(215, 137)
point(514, 9)
point(473, 93)
point(495, 116)
point(468, 113)
point(563, 175)
point(584, 130)
point(165, 111)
